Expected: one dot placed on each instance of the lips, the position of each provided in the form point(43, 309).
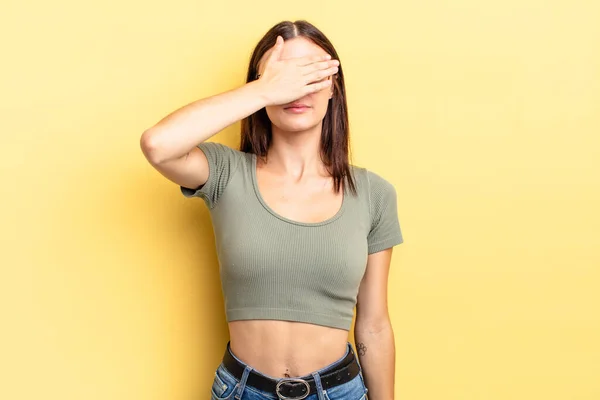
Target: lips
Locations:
point(296, 105)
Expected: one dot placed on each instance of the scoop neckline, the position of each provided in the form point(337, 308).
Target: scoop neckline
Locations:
point(291, 221)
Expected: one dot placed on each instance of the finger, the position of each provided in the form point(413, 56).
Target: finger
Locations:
point(277, 49)
point(306, 60)
point(321, 65)
point(315, 87)
point(321, 74)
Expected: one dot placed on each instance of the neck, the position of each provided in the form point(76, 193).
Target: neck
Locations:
point(296, 154)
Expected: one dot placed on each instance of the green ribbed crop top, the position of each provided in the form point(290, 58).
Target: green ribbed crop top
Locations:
point(274, 268)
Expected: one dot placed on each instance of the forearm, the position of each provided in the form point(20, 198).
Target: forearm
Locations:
point(183, 129)
point(377, 355)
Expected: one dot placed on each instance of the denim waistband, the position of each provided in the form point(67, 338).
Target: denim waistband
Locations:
point(316, 375)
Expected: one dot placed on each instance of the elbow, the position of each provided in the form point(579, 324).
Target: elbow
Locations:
point(373, 326)
point(151, 147)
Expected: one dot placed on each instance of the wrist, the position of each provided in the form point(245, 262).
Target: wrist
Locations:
point(259, 93)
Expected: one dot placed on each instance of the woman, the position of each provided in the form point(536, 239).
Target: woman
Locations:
point(302, 236)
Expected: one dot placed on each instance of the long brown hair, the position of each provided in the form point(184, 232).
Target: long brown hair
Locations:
point(256, 128)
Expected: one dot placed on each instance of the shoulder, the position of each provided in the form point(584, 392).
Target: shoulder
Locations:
point(220, 149)
point(379, 185)
point(221, 156)
point(372, 182)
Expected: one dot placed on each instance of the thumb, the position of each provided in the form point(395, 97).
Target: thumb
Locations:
point(277, 49)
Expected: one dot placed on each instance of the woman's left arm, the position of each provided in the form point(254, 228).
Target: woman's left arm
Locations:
point(373, 332)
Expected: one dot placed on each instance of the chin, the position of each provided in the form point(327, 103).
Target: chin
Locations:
point(295, 127)
point(297, 123)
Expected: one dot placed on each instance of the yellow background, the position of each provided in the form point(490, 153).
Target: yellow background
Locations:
point(484, 115)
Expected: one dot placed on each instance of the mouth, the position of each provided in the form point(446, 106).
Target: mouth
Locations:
point(296, 107)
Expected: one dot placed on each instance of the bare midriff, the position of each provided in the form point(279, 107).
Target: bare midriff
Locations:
point(281, 349)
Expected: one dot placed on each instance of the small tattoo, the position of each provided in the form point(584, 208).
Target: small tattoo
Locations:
point(362, 349)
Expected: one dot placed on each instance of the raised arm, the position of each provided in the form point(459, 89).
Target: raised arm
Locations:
point(171, 145)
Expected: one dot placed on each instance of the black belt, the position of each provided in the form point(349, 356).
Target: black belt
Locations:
point(295, 388)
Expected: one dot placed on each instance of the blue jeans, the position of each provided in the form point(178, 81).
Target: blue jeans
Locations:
point(227, 387)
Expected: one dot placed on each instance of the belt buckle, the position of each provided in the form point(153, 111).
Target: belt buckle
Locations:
point(281, 382)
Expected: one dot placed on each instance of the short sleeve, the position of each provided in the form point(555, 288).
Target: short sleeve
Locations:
point(222, 164)
point(385, 227)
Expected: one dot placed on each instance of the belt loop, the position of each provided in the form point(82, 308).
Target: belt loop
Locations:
point(318, 385)
point(243, 381)
point(351, 348)
point(354, 353)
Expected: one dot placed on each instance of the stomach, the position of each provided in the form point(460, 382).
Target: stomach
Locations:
point(281, 349)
